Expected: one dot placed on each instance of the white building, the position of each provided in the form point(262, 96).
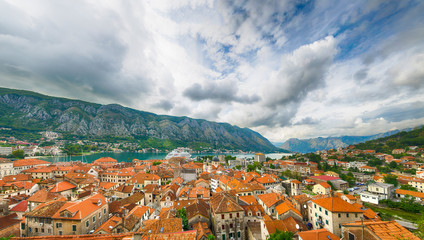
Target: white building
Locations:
point(6, 167)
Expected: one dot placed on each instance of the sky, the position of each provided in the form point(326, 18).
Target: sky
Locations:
point(287, 69)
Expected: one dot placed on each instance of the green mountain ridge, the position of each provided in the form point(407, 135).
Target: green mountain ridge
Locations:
point(31, 111)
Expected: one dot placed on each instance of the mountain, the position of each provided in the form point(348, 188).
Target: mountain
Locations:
point(320, 143)
point(26, 111)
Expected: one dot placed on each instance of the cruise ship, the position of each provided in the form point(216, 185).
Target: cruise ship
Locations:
point(179, 152)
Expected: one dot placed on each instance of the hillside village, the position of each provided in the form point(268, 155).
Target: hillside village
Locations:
point(330, 194)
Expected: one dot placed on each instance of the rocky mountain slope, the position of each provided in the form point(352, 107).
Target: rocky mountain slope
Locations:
point(315, 144)
point(36, 112)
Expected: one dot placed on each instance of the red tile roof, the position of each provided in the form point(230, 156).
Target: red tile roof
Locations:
point(20, 207)
point(28, 162)
point(62, 186)
point(319, 234)
point(335, 204)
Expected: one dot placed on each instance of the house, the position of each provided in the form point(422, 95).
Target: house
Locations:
point(227, 217)
point(418, 196)
point(64, 188)
point(24, 164)
point(198, 212)
point(319, 234)
point(124, 191)
point(42, 196)
point(398, 151)
point(330, 213)
point(286, 210)
point(322, 188)
point(80, 217)
point(141, 179)
point(6, 167)
point(112, 226)
point(379, 190)
point(376, 230)
point(417, 183)
point(367, 169)
point(20, 209)
point(259, 157)
point(295, 187)
point(269, 201)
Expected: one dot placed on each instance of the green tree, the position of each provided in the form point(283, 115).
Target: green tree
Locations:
point(392, 179)
point(420, 228)
point(181, 213)
point(7, 238)
point(211, 237)
point(393, 164)
point(19, 153)
point(408, 187)
point(278, 235)
point(157, 163)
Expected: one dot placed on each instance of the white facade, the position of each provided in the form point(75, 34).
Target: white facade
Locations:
point(6, 168)
point(369, 197)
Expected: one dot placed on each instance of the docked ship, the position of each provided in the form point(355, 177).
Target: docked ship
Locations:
point(179, 152)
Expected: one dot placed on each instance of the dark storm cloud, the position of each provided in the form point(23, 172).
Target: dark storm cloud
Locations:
point(72, 47)
point(164, 104)
point(307, 121)
point(226, 91)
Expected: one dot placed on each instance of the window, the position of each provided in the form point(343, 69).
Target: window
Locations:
point(320, 209)
point(49, 230)
point(23, 226)
point(231, 215)
point(238, 234)
point(315, 206)
point(104, 211)
point(86, 223)
point(100, 215)
point(340, 225)
point(222, 216)
point(238, 215)
point(356, 215)
point(94, 219)
point(60, 232)
point(340, 215)
point(58, 225)
point(223, 236)
point(231, 225)
point(326, 212)
point(316, 215)
point(326, 222)
point(74, 228)
point(29, 229)
point(36, 229)
point(223, 227)
point(351, 236)
point(347, 214)
point(42, 230)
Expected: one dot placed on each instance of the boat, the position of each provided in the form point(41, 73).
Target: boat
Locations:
point(179, 152)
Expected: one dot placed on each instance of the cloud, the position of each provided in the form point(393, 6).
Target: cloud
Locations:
point(284, 68)
point(225, 91)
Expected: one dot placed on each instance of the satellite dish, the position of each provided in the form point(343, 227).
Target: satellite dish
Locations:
point(297, 226)
point(304, 205)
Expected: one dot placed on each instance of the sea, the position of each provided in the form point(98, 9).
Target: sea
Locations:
point(129, 156)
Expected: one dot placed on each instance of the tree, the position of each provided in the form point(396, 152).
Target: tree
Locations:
point(392, 179)
point(278, 235)
point(181, 213)
point(157, 163)
point(211, 237)
point(393, 164)
point(420, 231)
point(18, 153)
point(408, 187)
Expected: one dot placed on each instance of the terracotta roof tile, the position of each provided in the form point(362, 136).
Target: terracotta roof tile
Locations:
point(335, 204)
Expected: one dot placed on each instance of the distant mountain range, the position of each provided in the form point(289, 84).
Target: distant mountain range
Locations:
point(30, 111)
point(320, 143)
